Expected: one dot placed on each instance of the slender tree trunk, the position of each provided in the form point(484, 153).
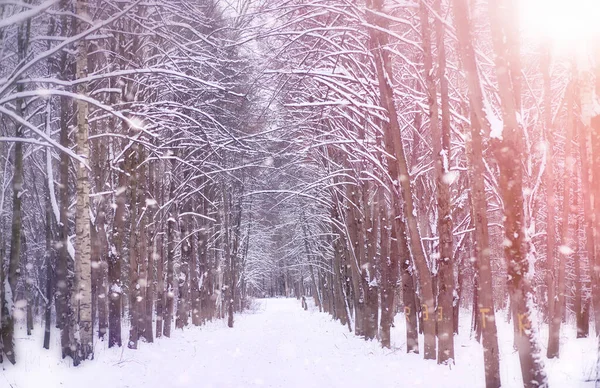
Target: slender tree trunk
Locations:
point(160, 261)
point(115, 303)
point(592, 122)
point(95, 258)
point(582, 321)
point(171, 230)
point(7, 323)
point(28, 292)
point(204, 274)
point(369, 269)
point(142, 247)
point(49, 258)
point(479, 123)
point(229, 259)
point(134, 235)
point(184, 270)
point(553, 337)
point(389, 271)
point(589, 146)
point(399, 249)
point(565, 250)
point(509, 154)
point(354, 257)
point(399, 171)
point(440, 133)
point(194, 289)
point(4, 302)
point(338, 277)
point(152, 254)
point(102, 272)
point(63, 284)
point(83, 266)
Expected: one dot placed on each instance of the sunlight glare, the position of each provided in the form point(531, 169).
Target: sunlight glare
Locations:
point(566, 23)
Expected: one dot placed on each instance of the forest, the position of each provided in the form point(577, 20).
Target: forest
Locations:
point(166, 164)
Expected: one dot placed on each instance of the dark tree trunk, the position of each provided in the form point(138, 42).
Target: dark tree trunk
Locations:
point(389, 271)
point(184, 270)
point(479, 124)
point(400, 249)
point(509, 155)
point(170, 290)
point(440, 132)
point(49, 256)
point(399, 171)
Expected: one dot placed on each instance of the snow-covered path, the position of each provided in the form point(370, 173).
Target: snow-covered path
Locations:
point(276, 345)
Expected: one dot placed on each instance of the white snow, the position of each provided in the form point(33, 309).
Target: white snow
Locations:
point(496, 124)
point(565, 250)
point(280, 345)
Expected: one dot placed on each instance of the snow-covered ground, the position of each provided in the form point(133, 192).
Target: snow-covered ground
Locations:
point(280, 345)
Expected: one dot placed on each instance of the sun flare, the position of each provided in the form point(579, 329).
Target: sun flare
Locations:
point(566, 23)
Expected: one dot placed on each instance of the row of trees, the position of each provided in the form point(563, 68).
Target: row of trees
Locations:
point(445, 161)
point(128, 138)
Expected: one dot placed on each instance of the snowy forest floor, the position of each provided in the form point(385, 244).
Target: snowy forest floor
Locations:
point(277, 344)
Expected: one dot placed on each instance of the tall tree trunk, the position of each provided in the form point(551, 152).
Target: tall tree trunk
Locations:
point(114, 269)
point(115, 255)
point(184, 270)
point(49, 258)
point(354, 258)
point(63, 284)
point(142, 246)
point(160, 260)
point(440, 134)
point(83, 266)
point(553, 337)
point(589, 146)
point(193, 270)
point(4, 302)
point(479, 203)
point(338, 273)
point(369, 269)
point(28, 289)
point(591, 119)
point(229, 259)
point(102, 272)
point(564, 250)
point(509, 154)
point(400, 250)
point(63, 281)
point(399, 171)
point(7, 324)
point(388, 264)
point(203, 268)
point(582, 320)
point(152, 253)
point(171, 230)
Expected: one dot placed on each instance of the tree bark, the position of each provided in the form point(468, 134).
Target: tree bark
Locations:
point(83, 266)
point(509, 154)
point(184, 270)
point(49, 259)
point(479, 123)
point(440, 135)
point(388, 263)
point(399, 170)
point(553, 336)
point(565, 250)
point(170, 291)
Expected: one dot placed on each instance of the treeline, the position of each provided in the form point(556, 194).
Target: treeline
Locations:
point(129, 134)
point(451, 163)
